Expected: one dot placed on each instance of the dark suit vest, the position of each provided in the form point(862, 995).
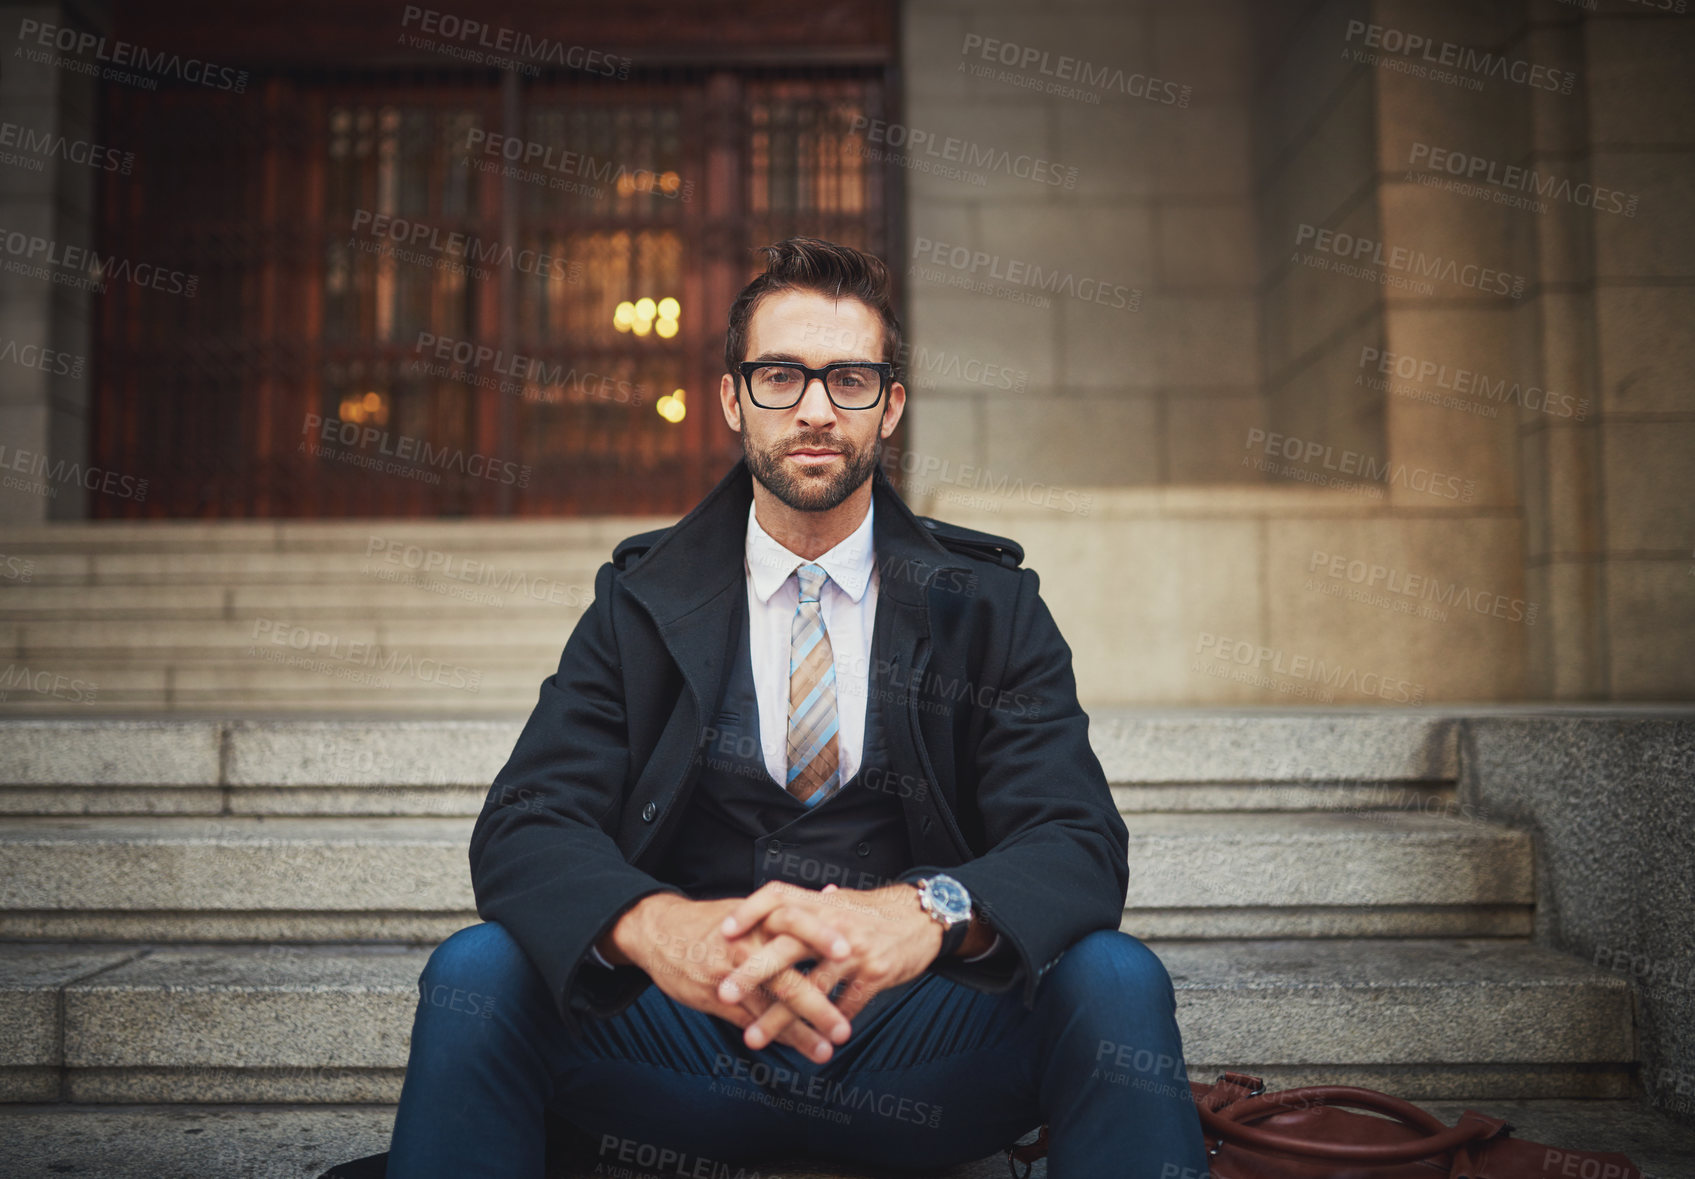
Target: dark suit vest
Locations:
point(741, 828)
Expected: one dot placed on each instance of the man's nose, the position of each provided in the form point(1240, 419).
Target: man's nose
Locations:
point(815, 407)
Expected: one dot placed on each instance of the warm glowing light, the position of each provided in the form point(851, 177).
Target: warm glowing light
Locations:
point(671, 406)
point(666, 328)
point(642, 327)
point(624, 315)
point(669, 308)
point(645, 308)
point(626, 184)
point(670, 182)
point(368, 408)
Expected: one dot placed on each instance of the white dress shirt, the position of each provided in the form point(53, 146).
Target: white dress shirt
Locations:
point(848, 603)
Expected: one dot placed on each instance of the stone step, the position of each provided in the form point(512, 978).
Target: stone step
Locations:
point(191, 878)
point(301, 1142)
point(381, 558)
point(1422, 1018)
point(398, 683)
point(167, 641)
point(355, 764)
point(351, 537)
point(1326, 874)
point(178, 878)
point(1155, 746)
point(324, 605)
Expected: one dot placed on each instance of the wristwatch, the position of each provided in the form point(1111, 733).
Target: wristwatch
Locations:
point(947, 900)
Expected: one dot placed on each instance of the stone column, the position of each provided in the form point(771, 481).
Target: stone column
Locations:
point(47, 121)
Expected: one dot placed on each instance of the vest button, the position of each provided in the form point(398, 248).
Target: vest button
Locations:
point(648, 811)
point(863, 849)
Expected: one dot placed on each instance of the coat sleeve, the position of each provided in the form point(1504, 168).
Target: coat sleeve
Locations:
point(1056, 865)
point(543, 863)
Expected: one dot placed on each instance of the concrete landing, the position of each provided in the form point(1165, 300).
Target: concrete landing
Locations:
point(283, 1142)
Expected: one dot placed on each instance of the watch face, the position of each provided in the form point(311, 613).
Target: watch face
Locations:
point(950, 898)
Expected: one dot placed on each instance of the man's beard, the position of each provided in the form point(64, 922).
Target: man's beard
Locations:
point(811, 492)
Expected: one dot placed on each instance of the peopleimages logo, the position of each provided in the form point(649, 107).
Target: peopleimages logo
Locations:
point(37, 466)
point(1373, 575)
point(1331, 677)
point(409, 453)
point(487, 42)
point(561, 168)
point(1070, 69)
point(124, 53)
point(1434, 55)
point(918, 143)
point(78, 266)
point(976, 264)
point(1362, 466)
point(1467, 381)
point(462, 251)
point(1475, 169)
point(1415, 263)
point(462, 360)
point(44, 145)
point(47, 360)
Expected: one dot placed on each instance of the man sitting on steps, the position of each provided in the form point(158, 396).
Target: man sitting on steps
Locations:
point(804, 850)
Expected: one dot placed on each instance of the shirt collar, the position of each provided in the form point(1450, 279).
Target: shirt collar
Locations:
point(848, 564)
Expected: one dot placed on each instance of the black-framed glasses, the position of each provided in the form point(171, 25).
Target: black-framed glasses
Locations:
point(849, 384)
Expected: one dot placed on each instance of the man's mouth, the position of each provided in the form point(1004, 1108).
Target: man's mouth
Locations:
point(814, 454)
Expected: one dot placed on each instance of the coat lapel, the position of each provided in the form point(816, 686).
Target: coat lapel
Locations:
point(693, 579)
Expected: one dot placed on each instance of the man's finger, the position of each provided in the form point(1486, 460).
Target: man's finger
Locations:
point(762, 963)
point(796, 1033)
point(755, 908)
point(799, 993)
point(806, 1001)
point(778, 1015)
point(854, 997)
point(809, 927)
point(799, 934)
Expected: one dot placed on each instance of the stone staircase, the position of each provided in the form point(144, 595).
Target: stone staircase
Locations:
point(413, 617)
point(240, 763)
point(201, 911)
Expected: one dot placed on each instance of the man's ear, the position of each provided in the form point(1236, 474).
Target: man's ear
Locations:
point(892, 410)
point(729, 398)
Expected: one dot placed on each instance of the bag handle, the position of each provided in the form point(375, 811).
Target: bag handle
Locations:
point(1223, 1111)
point(1027, 1154)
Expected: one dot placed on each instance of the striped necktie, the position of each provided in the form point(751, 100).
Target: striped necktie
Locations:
point(813, 768)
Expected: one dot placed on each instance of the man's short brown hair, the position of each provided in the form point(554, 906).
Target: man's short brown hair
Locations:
point(811, 264)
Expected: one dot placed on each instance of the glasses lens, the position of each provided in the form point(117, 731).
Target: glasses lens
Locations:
point(776, 385)
point(855, 387)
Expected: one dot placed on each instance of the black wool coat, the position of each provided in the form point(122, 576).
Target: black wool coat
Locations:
point(988, 746)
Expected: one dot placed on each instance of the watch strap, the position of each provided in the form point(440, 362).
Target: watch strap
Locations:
point(953, 937)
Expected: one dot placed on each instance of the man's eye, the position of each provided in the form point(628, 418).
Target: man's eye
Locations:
point(778, 376)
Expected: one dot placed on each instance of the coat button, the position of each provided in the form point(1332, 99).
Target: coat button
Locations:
point(775, 846)
point(648, 811)
point(863, 849)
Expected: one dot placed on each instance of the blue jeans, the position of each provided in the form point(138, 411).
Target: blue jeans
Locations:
point(935, 1074)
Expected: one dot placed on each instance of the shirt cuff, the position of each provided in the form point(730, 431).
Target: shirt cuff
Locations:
point(596, 955)
point(993, 946)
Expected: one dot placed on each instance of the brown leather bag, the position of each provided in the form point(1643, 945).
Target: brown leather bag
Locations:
point(1305, 1134)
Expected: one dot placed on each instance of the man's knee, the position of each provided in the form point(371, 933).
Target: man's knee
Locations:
point(1111, 961)
point(476, 971)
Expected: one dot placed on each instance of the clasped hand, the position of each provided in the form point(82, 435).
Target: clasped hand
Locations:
point(735, 958)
